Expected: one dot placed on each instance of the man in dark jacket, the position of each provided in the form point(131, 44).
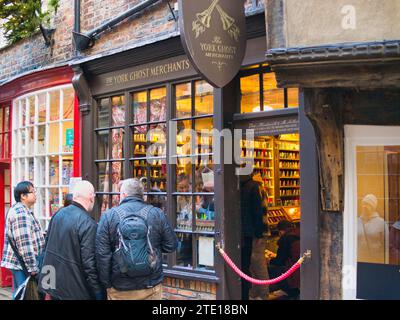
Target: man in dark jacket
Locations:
point(120, 285)
point(252, 224)
point(69, 268)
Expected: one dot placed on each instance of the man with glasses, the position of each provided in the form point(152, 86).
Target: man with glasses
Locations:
point(23, 236)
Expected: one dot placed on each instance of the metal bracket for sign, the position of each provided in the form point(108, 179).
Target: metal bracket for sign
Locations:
point(172, 11)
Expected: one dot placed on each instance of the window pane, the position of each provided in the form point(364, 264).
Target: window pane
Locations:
point(184, 175)
point(204, 103)
point(54, 200)
point(118, 111)
point(30, 142)
point(158, 175)
point(378, 222)
point(7, 178)
point(139, 142)
point(41, 143)
point(41, 171)
point(7, 119)
point(205, 213)
point(68, 103)
point(54, 170)
point(250, 94)
point(2, 155)
point(22, 134)
point(54, 105)
point(103, 120)
point(184, 138)
point(140, 107)
point(158, 104)
point(31, 101)
point(31, 169)
point(204, 176)
point(183, 96)
point(102, 171)
point(67, 170)
point(41, 202)
point(117, 138)
point(157, 137)
point(104, 202)
point(42, 107)
point(23, 112)
point(140, 169)
point(54, 138)
point(115, 200)
point(293, 97)
point(64, 192)
point(158, 201)
point(205, 252)
point(184, 212)
point(204, 135)
point(274, 98)
point(102, 145)
point(117, 175)
point(68, 136)
point(184, 256)
point(6, 146)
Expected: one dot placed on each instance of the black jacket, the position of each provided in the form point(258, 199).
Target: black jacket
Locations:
point(251, 209)
point(71, 251)
point(162, 238)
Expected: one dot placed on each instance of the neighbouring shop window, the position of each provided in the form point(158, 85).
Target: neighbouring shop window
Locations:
point(4, 132)
point(259, 91)
point(43, 138)
point(185, 190)
point(378, 194)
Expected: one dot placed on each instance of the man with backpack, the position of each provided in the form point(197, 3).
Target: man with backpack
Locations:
point(130, 241)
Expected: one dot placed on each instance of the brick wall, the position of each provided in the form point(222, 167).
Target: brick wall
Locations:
point(178, 289)
point(31, 53)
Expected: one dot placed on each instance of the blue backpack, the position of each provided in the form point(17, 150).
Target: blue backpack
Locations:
point(135, 254)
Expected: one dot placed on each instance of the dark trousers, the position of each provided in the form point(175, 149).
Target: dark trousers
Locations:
point(247, 246)
point(276, 271)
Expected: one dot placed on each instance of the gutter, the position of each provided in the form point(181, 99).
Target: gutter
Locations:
point(86, 40)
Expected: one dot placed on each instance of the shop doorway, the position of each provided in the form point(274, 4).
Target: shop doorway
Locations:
point(371, 264)
point(276, 170)
point(5, 203)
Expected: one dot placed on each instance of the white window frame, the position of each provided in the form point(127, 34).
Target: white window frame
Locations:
point(357, 135)
point(20, 160)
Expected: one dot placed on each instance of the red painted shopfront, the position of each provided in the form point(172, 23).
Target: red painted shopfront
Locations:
point(9, 94)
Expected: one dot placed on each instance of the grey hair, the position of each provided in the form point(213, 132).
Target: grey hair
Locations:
point(83, 189)
point(132, 187)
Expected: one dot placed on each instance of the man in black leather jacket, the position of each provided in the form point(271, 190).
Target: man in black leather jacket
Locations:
point(162, 237)
point(70, 251)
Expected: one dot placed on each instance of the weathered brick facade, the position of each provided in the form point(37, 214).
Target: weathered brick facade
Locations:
point(178, 289)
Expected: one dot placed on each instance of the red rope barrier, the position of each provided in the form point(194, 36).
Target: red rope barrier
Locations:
point(257, 281)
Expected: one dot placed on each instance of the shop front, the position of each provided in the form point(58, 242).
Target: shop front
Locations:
point(39, 140)
point(146, 113)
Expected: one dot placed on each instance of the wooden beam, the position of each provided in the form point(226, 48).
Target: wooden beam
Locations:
point(322, 108)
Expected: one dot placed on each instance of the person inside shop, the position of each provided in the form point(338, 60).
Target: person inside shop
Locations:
point(252, 226)
point(287, 255)
point(371, 231)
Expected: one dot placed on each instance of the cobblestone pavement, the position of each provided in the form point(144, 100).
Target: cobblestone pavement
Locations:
point(5, 293)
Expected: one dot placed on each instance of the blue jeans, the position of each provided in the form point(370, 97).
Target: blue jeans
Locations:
point(18, 278)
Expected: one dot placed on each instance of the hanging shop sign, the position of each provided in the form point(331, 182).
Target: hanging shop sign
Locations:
point(213, 33)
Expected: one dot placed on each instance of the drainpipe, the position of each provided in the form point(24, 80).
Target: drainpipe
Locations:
point(86, 40)
point(77, 21)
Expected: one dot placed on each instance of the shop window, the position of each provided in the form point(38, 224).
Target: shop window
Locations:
point(185, 190)
point(4, 132)
point(110, 131)
point(194, 175)
point(259, 91)
point(43, 149)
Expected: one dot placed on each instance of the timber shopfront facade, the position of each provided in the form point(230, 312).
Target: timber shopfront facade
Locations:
point(152, 89)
